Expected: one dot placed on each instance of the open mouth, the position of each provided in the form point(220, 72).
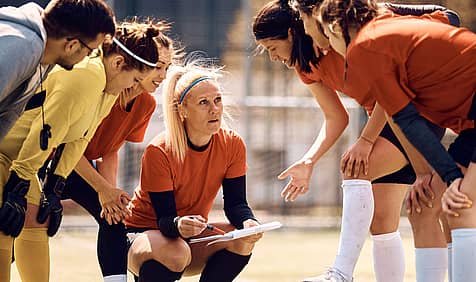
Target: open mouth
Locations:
point(156, 82)
point(213, 120)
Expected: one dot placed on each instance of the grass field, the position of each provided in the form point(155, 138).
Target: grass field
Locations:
point(283, 255)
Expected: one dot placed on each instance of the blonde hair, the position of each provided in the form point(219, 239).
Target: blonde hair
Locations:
point(178, 79)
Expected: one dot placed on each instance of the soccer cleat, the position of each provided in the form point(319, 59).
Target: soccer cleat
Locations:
point(331, 275)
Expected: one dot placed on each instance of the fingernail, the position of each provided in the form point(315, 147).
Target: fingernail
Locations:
point(418, 210)
point(430, 205)
point(456, 214)
point(468, 206)
point(409, 211)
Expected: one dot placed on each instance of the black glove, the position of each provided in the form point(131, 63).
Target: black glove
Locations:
point(12, 212)
point(51, 203)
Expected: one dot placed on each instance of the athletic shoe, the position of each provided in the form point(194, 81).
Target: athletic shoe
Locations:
point(331, 275)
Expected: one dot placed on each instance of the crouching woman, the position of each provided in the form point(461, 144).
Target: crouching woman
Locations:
point(183, 169)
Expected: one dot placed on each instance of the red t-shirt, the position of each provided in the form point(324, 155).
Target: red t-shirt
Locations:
point(121, 126)
point(399, 60)
point(195, 182)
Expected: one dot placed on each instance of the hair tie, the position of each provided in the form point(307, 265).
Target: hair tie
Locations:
point(195, 82)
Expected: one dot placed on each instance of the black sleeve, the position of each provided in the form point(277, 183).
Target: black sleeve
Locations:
point(419, 134)
point(418, 10)
point(166, 212)
point(236, 207)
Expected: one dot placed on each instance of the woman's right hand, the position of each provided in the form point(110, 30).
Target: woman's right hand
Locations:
point(300, 172)
point(356, 157)
point(191, 225)
point(114, 203)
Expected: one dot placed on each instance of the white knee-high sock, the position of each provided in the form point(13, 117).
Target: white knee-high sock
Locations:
point(358, 209)
point(389, 257)
point(115, 278)
point(464, 254)
point(431, 264)
point(450, 262)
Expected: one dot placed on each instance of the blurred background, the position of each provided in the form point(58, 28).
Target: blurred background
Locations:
point(277, 117)
point(274, 113)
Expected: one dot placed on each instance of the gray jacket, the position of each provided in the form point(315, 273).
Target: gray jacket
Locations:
point(22, 41)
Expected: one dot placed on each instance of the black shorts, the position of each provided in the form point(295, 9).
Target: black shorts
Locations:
point(405, 175)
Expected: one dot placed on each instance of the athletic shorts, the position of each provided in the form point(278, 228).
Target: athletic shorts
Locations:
point(405, 175)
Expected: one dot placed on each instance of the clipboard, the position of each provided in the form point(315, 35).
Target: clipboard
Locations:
point(239, 233)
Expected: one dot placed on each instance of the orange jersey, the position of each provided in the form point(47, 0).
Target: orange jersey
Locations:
point(330, 70)
point(399, 60)
point(121, 126)
point(195, 182)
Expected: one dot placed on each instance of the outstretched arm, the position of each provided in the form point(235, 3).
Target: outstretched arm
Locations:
point(335, 121)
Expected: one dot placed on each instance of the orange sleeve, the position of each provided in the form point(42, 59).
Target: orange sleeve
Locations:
point(156, 173)
point(237, 156)
point(137, 134)
point(304, 77)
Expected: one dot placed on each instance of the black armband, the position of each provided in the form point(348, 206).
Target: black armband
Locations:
point(414, 127)
point(236, 207)
point(165, 210)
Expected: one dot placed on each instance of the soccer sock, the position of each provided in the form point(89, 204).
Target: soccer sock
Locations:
point(464, 254)
point(32, 255)
point(116, 278)
point(389, 257)
point(357, 212)
point(450, 262)
point(6, 248)
point(431, 264)
point(154, 271)
point(223, 266)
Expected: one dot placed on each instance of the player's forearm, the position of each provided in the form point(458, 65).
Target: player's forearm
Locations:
point(91, 175)
point(374, 125)
point(417, 132)
point(108, 167)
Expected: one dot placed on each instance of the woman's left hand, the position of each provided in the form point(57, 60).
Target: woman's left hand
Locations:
point(355, 160)
point(252, 238)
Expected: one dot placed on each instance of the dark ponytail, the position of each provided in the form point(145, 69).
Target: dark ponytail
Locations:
point(273, 22)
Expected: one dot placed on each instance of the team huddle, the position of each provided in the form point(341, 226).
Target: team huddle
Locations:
point(75, 85)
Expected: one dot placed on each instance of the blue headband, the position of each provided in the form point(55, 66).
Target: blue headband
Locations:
point(195, 82)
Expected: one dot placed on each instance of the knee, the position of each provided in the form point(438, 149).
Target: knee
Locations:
point(426, 215)
point(180, 258)
point(383, 223)
point(241, 247)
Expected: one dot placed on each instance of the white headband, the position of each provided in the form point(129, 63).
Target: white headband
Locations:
point(124, 48)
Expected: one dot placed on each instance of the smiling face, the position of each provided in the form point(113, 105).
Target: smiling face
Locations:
point(202, 111)
point(153, 80)
point(278, 49)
